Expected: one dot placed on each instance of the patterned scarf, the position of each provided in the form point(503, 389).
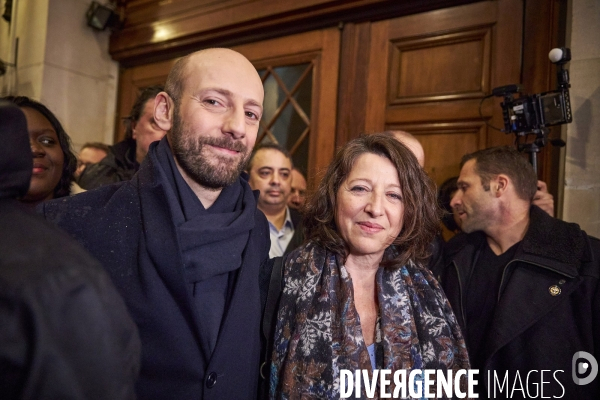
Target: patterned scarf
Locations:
point(318, 330)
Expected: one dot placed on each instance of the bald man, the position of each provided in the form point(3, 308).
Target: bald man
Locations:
point(412, 143)
point(298, 195)
point(183, 240)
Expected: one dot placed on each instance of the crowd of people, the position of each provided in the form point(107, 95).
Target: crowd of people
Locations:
point(188, 261)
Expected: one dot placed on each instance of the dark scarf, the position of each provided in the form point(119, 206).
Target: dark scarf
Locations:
point(318, 330)
point(211, 241)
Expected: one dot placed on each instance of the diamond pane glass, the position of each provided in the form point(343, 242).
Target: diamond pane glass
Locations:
point(288, 127)
point(286, 114)
point(290, 74)
point(300, 157)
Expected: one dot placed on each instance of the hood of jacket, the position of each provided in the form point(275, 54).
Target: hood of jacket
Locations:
point(16, 163)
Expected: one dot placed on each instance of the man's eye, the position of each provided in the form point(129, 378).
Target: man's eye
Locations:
point(252, 115)
point(212, 102)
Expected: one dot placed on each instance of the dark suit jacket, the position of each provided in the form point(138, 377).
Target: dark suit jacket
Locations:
point(119, 165)
point(298, 237)
point(128, 227)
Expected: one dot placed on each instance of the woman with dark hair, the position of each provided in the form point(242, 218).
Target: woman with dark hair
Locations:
point(445, 193)
point(53, 160)
point(356, 296)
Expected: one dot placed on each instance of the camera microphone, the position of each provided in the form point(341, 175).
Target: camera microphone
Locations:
point(560, 55)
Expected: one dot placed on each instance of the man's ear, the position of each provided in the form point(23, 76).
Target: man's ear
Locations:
point(133, 130)
point(500, 184)
point(163, 111)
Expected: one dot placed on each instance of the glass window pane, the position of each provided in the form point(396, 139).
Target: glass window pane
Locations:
point(300, 157)
point(288, 125)
point(290, 74)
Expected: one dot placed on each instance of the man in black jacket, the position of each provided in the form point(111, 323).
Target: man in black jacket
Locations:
point(64, 330)
point(183, 240)
point(124, 158)
point(523, 285)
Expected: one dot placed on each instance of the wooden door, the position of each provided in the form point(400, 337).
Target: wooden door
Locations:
point(429, 72)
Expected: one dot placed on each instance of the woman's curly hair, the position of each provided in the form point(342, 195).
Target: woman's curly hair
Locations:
point(421, 211)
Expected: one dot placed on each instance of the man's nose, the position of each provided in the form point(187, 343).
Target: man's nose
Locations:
point(456, 199)
point(275, 179)
point(235, 123)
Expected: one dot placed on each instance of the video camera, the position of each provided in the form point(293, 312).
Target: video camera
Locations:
point(531, 115)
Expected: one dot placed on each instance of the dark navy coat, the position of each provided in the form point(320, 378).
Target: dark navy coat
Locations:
point(128, 227)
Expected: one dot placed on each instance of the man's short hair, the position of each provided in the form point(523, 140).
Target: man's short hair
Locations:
point(268, 146)
point(491, 162)
point(138, 108)
point(96, 145)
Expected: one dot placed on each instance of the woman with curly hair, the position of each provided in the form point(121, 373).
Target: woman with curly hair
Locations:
point(356, 295)
point(53, 160)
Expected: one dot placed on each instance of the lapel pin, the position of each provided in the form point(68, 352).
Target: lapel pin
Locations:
point(554, 290)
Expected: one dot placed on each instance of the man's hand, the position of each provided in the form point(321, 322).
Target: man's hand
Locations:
point(543, 199)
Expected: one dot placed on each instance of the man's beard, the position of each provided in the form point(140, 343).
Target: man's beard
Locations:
point(210, 171)
point(478, 219)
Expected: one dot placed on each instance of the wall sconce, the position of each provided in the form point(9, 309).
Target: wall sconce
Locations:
point(100, 17)
point(3, 67)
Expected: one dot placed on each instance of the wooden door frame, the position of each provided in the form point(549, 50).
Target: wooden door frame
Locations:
point(161, 30)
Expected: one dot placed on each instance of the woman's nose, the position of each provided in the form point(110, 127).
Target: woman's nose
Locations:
point(36, 148)
point(375, 204)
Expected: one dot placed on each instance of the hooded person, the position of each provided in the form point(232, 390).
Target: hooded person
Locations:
point(64, 330)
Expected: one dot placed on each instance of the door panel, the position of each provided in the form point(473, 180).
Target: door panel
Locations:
point(416, 64)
